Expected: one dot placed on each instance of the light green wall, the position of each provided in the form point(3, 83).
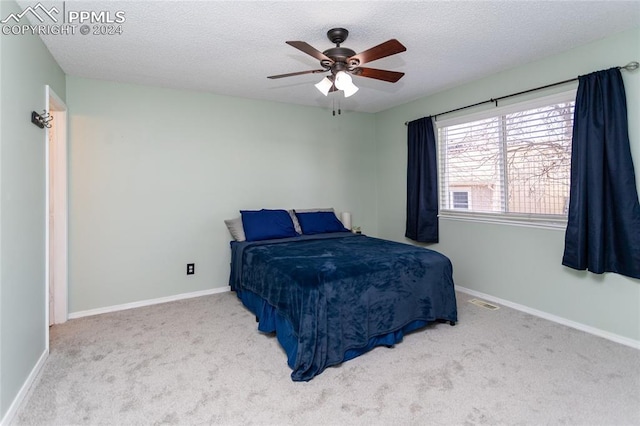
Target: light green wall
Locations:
point(154, 172)
point(26, 67)
point(522, 265)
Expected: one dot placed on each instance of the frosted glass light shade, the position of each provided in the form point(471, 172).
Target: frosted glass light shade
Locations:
point(350, 90)
point(342, 80)
point(345, 218)
point(345, 83)
point(324, 86)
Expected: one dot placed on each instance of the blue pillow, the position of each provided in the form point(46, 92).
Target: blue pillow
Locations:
point(267, 224)
point(319, 223)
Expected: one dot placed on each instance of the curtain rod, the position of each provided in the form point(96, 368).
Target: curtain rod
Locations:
point(629, 67)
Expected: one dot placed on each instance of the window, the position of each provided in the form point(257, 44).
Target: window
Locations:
point(460, 200)
point(510, 163)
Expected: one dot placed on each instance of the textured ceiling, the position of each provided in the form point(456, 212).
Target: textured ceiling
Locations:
point(229, 47)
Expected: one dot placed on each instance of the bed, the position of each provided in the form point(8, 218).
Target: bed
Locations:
point(333, 296)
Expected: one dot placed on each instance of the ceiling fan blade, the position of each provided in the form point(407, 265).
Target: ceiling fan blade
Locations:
point(388, 48)
point(390, 76)
point(291, 74)
point(309, 50)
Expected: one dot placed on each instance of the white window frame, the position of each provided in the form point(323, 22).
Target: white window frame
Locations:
point(517, 219)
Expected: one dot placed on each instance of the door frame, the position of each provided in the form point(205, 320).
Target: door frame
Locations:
point(56, 251)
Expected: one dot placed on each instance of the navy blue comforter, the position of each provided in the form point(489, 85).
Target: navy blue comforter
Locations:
point(340, 290)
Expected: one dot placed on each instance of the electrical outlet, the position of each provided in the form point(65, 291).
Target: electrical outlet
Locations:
point(191, 268)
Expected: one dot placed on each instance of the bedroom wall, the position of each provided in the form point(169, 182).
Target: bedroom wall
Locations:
point(26, 67)
point(154, 172)
point(518, 264)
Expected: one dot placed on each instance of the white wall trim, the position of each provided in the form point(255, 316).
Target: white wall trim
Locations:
point(56, 153)
point(24, 390)
point(578, 326)
point(148, 302)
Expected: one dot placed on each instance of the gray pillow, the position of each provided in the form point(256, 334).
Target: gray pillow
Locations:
point(235, 228)
point(296, 224)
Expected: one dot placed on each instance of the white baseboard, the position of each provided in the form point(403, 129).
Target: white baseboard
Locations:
point(148, 302)
point(24, 390)
point(579, 326)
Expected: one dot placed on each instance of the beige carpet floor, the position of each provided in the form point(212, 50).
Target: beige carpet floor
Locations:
point(202, 361)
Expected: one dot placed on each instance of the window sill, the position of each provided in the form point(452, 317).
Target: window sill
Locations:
point(556, 223)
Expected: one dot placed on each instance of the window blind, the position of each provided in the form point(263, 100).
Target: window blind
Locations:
point(517, 162)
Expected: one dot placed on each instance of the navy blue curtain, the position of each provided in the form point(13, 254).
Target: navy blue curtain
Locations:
point(603, 229)
point(422, 182)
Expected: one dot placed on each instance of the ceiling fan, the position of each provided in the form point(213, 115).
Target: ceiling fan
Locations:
point(341, 62)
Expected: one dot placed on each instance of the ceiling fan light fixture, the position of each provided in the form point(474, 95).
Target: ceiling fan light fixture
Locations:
point(350, 90)
point(324, 86)
point(344, 82)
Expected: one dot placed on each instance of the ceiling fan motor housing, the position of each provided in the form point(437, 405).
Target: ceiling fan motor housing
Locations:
point(338, 54)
